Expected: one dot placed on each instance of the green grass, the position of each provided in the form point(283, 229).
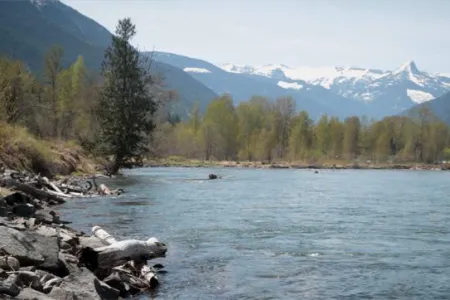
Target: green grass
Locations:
point(20, 150)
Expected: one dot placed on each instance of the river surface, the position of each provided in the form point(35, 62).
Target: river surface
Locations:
point(285, 234)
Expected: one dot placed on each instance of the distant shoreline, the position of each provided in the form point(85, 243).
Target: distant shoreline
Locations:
point(325, 166)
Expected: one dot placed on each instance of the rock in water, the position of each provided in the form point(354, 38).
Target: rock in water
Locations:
point(212, 176)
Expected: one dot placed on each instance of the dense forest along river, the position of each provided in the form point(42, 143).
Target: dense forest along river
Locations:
point(285, 234)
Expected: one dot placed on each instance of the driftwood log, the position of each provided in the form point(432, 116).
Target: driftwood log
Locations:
point(126, 260)
point(121, 252)
point(28, 189)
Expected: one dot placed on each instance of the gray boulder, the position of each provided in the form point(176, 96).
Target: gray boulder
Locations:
point(85, 285)
point(32, 249)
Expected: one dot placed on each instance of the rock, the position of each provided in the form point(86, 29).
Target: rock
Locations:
point(9, 286)
point(69, 262)
point(23, 210)
point(3, 274)
point(212, 176)
point(29, 279)
point(20, 245)
point(63, 294)
point(4, 208)
point(30, 294)
point(47, 231)
point(44, 216)
point(16, 198)
point(81, 284)
point(32, 249)
point(18, 224)
point(114, 280)
point(30, 223)
point(105, 291)
point(9, 263)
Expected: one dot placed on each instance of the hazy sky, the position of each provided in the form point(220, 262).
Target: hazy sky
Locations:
point(367, 33)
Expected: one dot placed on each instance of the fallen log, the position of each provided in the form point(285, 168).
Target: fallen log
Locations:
point(62, 195)
point(127, 258)
point(104, 190)
point(103, 236)
point(124, 251)
point(149, 276)
point(51, 184)
point(28, 189)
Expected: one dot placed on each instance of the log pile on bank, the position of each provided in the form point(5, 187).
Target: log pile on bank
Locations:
point(42, 258)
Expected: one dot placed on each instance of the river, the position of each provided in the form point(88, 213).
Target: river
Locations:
point(285, 234)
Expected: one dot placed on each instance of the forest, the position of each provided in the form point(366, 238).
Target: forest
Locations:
point(261, 130)
point(64, 103)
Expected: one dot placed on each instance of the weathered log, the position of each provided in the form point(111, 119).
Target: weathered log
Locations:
point(62, 195)
point(9, 263)
point(149, 276)
point(48, 285)
point(104, 190)
point(123, 251)
point(103, 236)
point(52, 185)
point(27, 189)
point(70, 188)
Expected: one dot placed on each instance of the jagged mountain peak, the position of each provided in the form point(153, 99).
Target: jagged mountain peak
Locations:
point(408, 67)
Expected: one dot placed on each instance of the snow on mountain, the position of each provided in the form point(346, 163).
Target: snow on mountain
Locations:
point(404, 86)
point(289, 85)
point(419, 96)
point(196, 70)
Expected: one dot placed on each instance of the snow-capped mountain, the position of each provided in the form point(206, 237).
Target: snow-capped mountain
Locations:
point(385, 91)
point(242, 84)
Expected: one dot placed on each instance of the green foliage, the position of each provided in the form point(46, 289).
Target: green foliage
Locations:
point(126, 104)
point(258, 130)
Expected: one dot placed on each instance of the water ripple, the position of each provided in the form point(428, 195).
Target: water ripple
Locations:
point(286, 234)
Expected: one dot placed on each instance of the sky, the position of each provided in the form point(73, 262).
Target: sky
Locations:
point(379, 34)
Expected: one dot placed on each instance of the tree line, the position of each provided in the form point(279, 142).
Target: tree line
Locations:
point(120, 113)
point(262, 130)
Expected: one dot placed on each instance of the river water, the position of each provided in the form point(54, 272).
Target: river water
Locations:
point(285, 234)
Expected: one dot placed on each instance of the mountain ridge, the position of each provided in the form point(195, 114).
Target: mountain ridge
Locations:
point(29, 28)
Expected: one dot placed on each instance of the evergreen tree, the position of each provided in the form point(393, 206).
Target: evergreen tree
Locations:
point(126, 103)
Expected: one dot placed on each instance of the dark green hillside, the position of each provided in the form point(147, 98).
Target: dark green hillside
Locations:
point(28, 30)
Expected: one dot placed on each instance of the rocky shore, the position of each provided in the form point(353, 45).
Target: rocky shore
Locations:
point(323, 166)
point(42, 258)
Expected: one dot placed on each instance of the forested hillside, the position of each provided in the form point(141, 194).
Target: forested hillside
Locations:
point(440, 107)
point(28, 29)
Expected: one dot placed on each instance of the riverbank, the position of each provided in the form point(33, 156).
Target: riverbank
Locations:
point(41, 257)
point(336, 165)
point(20, 150)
